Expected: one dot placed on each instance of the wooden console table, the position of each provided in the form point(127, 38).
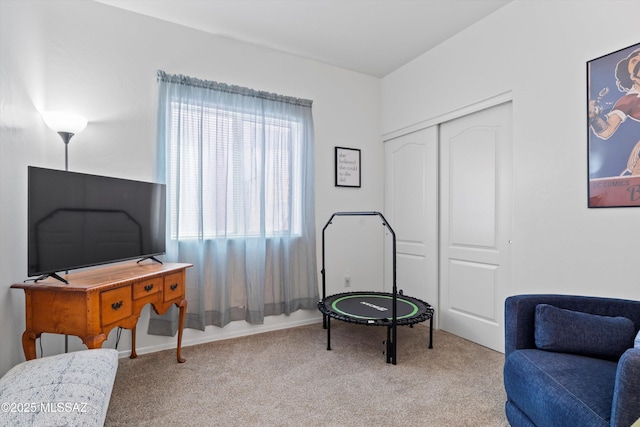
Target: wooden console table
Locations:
point(95, 301)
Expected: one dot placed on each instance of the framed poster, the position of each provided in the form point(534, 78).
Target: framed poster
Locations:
point(348, 172)
point(613, 113)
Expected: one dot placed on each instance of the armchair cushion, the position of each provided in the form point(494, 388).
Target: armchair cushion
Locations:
point(556, 389)
point(575, 332)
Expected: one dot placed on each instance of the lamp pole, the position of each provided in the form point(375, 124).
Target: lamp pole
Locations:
point(66, 125)
point(66, 137)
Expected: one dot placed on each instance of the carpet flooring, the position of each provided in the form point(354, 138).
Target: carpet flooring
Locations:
point(288, 378)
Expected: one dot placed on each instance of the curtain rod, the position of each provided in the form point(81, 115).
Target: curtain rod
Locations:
point(222, 87)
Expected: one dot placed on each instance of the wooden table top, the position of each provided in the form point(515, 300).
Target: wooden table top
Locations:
point(105, 277)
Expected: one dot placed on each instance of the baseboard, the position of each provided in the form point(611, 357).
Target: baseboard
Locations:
point(224, 335)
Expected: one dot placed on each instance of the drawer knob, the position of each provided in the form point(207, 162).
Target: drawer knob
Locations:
point(148, 287)
point(174, 286)
point(117, 305)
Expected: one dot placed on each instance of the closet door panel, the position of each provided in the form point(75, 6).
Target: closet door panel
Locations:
point(411, 209)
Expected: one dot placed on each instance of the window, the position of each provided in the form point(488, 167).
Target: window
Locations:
point(248, 172)
point(238, 165)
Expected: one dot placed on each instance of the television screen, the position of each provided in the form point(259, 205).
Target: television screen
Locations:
point(79, 220)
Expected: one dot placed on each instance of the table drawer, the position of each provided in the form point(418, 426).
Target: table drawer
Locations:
point(115, 304)
point(173, 286)
point(146, 288)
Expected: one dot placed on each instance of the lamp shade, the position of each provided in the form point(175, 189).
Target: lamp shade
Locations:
point(64, 122)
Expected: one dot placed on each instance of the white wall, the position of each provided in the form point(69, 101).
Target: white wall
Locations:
point(537, 50)
point(21, 86)
point(101, 62)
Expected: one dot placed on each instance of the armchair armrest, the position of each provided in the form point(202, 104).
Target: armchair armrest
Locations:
point(626, 395)
point(519, 315)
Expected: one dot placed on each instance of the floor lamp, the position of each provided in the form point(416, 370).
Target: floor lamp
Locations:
point(67, 125)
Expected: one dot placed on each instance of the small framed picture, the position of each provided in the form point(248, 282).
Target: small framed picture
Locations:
point(347, 167)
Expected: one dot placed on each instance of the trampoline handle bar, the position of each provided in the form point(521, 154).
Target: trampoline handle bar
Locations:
point(365, 213)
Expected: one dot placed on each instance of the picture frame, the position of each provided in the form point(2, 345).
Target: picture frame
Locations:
point(613, 126)
point(347, 167)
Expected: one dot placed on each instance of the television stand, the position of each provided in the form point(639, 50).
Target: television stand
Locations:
point(52, 275)
point(151, 257)
point(95, 301)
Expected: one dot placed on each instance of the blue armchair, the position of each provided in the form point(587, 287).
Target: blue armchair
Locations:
point(570, 361)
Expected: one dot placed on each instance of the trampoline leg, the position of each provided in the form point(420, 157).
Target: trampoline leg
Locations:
point(394, 344)
point(328, 333)
point(389, 346)
point(431, 332)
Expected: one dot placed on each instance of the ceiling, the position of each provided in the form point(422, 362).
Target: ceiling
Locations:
point(373, 37)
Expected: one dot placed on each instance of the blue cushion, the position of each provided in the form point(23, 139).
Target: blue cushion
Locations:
point(567, 331)
point(558, 389)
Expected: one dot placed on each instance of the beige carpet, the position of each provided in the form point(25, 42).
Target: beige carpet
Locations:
point(288, 378)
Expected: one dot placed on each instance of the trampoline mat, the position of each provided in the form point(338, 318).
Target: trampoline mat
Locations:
point(375, 308)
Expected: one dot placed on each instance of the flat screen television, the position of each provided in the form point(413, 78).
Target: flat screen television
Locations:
point(79, 220)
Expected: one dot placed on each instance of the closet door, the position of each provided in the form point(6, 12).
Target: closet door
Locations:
point(411, 209)
point(476, 224)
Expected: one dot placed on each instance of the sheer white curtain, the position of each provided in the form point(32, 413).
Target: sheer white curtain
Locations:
point(238, 165)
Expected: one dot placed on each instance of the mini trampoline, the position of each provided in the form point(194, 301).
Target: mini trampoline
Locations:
point(374, 308)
